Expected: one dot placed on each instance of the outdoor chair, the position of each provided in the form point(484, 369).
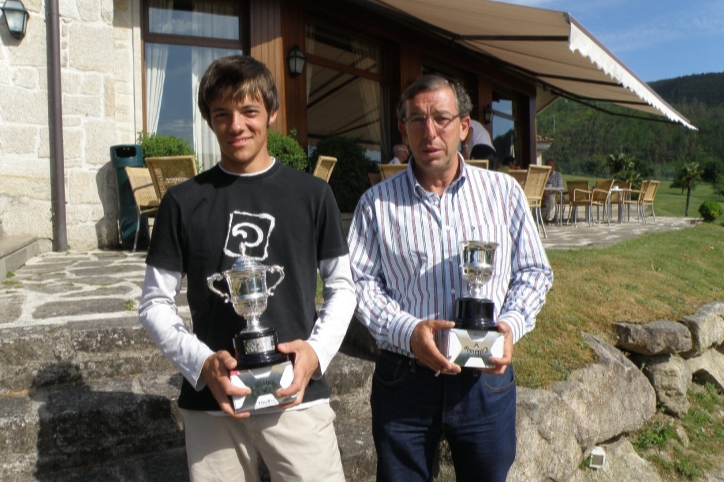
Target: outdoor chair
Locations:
point(325, 166)
point(619, 193)
point(569, 198)
point(169, 171)
point(144, 194)
point(635, 202)
point(535, 184)
point(389, 170)
point(481, 163)
point(598, 196)
point(579, 195)
point(646, 198)
point(520, 175)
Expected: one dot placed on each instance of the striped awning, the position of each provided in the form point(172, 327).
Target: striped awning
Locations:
point(549, 47)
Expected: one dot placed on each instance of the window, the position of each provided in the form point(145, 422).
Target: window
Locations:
point(346, 90)
point(182, 38)
point(504, 125)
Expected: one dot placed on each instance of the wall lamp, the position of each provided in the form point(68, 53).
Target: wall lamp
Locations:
point(16, 17)
point(296, 60)
point(488, 114)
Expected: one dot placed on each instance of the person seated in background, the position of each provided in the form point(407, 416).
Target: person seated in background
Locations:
point(477, 143)
point(507, 164)
point(401, 154)
point(549, 197)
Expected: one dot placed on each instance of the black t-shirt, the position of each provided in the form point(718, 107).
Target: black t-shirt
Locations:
point(284, 217)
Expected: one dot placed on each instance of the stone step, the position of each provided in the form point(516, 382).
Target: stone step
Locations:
point(58, 428)
point(99, 349)
point(16, 251)
point(85, 424)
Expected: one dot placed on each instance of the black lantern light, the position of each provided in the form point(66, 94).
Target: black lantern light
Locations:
point(16, 17)
point(488, 114)
point(296, 61)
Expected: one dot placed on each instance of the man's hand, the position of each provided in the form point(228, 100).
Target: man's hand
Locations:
point(502, 363)
point(215, 373)
point(305, 364)
point(422, 344)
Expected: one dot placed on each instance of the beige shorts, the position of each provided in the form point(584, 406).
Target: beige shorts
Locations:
point(296, 445)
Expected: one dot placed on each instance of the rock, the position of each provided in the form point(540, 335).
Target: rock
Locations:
point(671, 378)
point(612, 395)
point(709, 367)
point(706, 327)
point(681, 434)
point(622, 463)
point(655, 338)
point(549, 437)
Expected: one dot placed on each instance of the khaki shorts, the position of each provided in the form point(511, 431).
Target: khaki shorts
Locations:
point(297, 445)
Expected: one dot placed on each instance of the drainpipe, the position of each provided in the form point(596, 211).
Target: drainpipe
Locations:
point(55, 108)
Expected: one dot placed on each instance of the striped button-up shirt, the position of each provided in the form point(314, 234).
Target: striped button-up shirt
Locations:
point(405, 261)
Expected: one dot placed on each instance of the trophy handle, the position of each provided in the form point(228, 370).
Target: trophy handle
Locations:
point(275, 269)
point(217, 277)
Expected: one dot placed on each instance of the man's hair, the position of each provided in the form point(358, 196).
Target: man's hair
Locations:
point(550, 161)
point(397, 147)
point(236, 78)
point(432, 82)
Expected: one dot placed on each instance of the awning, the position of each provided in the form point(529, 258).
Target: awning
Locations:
point(550, 47)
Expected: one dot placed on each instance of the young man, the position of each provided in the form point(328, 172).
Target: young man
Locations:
point(249, 204)
point(405, 262)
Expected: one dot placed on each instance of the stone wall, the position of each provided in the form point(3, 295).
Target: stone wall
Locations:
point(100, 75)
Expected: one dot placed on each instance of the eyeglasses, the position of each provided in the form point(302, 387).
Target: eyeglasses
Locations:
point(419, 121)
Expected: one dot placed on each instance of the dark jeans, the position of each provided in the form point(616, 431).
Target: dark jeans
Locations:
point(412, 409)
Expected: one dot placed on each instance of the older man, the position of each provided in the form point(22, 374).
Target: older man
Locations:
point(405, 264)
point(401, 154)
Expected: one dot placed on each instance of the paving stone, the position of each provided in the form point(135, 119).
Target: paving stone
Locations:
point(56, 309)
point(104, 291)
point(107, 270)
point(11, 307)
point(53, 289)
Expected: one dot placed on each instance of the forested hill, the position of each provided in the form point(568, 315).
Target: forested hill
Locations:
point(707, 88)
point(585, 137)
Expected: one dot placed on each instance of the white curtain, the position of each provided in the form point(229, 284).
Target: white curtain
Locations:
point(156, 58)
point(205, 144)
point(371, 93)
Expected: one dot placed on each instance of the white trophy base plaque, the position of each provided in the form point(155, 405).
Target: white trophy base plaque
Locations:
point(263, 382)
point(472, 348)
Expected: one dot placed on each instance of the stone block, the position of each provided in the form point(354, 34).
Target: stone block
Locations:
point(706, 327)
point(31, 52)
point(68, 10)
point(91, 48)
point(99, 137)
point(671, 377)
point(30, 188)
point(655, 338)
point(18, 140)
point(73, 146)
point(22, 106)
point(71, 82)
point(83, 105)
point(26, 78)
point(89, 10)
point(82, 187)
point(27, 217)
point(108, 12)
point(92, 84)
point(5, 73)
point(709, 367)
point(109, 97)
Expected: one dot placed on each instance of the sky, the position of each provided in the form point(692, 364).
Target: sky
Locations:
point(656, 39)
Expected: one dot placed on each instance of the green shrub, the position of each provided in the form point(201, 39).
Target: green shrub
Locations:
point(718, 185)
point(710, 210)
point(287, 150)
point(159, 145)
point(349, 178)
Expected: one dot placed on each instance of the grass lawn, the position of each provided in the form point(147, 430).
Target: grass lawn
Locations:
point(671, 201)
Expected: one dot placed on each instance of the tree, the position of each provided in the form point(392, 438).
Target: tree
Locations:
point(686, 178)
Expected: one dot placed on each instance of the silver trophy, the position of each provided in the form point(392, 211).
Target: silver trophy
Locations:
point(474, 312)
point(475, 337)
point(261, 366)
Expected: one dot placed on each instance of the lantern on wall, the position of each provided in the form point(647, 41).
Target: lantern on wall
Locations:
point(16, 17)
point(296, 60)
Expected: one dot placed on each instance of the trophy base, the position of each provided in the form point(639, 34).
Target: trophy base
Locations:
point(475, 314)
point(257, 349)
point(473, 348)
point(263, 382)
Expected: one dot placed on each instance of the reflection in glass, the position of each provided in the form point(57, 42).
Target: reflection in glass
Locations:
point(503, 128)
point(341, 103)
point(196, 19)
point(173, 73)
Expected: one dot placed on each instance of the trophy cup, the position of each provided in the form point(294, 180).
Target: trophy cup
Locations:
point(475, 337)
point(259, 365)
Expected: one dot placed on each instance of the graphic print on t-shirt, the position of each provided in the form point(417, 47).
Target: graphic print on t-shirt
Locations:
point(248, 235)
